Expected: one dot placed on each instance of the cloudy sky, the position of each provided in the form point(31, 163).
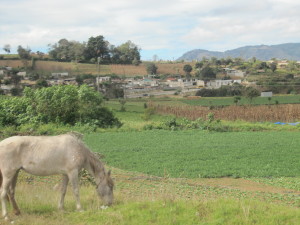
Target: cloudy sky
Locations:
point(160, 27)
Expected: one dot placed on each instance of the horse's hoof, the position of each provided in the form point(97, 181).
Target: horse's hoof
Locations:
point(17, 213)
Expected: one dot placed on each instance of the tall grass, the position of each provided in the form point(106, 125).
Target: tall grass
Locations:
point(151, 203)
point(125, 70)
point(283, 113)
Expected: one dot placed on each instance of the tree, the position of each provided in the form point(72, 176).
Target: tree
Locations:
point(24, 53)
point(151, 68)
point(97, 47)
point(273, 67)
point(199, 65)
point(66, 50)
point(127, 53)
point(7, 48)
point(292, 65)
point(206, 73)
point(187, 69)
point(251, 93)
point(76, 51)
point(236, 99)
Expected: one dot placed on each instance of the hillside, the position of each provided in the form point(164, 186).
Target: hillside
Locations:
point(290, 51)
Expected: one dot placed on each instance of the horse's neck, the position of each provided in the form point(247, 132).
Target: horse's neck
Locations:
point(96, 169)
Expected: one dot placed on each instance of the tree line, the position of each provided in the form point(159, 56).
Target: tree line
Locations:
point(95, 50)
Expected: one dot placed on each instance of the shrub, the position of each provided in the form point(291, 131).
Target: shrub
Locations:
point(148, 113)
point(58, 104)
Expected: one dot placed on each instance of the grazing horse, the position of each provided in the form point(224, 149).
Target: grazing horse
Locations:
point(49, 155)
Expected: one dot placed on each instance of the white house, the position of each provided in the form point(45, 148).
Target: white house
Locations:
point(219, 83)
point(235, 73)
point(266, 94)
point(23, 73)
point(102, 79)
point(58, 75)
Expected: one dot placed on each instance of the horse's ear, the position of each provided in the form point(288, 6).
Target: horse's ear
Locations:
point(108, 173)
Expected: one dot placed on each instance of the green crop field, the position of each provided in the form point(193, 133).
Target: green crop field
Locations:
point(201, 154)
point(174, 176)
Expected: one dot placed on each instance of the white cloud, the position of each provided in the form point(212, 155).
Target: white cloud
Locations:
point(153, 25)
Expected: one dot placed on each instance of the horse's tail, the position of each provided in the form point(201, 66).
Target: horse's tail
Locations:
point(1, 179)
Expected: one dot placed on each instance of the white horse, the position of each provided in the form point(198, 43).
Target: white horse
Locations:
point(49, 155)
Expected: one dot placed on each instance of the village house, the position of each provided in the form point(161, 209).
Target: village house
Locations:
point(234, 73)
point(100, 80)
point(6, 88)
point(59, 75)
point(22, 74)
point(220, 83)
point(184, 83)
point(282, 64)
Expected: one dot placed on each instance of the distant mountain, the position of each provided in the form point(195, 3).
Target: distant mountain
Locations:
point(290, 51)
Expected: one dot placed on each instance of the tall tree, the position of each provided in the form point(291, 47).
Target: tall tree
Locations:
point(97, 47)
point(7, 48)
point(251, 93)
point(66, 50)
point(187, 69)
point(151, 68)
point(273, 66)
point(24, 53)
point(206, 73)
point(127, 53)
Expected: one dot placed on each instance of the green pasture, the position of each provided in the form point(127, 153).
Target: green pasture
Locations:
point(194, 153)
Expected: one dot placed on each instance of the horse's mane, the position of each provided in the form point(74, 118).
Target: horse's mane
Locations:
point(93, 159)
point(95, 163)
point(97, 166)
point(75, 134)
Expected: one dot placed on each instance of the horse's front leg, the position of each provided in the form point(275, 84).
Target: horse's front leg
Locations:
point(73, 177)
point(64, 186)
point(11, 195)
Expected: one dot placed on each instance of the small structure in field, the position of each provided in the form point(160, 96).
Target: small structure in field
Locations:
point(266, 94)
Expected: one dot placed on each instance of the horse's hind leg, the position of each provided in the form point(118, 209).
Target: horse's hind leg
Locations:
point(73, 176)
point(11, 194)
point(7, 179)
point(63, 192)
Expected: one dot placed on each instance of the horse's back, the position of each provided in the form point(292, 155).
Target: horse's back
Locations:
point(46, 154)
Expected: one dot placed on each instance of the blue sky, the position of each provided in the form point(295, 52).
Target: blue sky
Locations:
point(164, 28)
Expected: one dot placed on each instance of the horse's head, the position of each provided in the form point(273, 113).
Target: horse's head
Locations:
point(105, 189)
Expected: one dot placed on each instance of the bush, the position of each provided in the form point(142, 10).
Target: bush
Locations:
point(148, 113)
point(58, 104)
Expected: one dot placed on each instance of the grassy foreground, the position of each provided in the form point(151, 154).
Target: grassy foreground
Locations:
point(142, 199)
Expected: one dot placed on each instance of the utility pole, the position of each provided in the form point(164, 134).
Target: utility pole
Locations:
point(98, 85)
